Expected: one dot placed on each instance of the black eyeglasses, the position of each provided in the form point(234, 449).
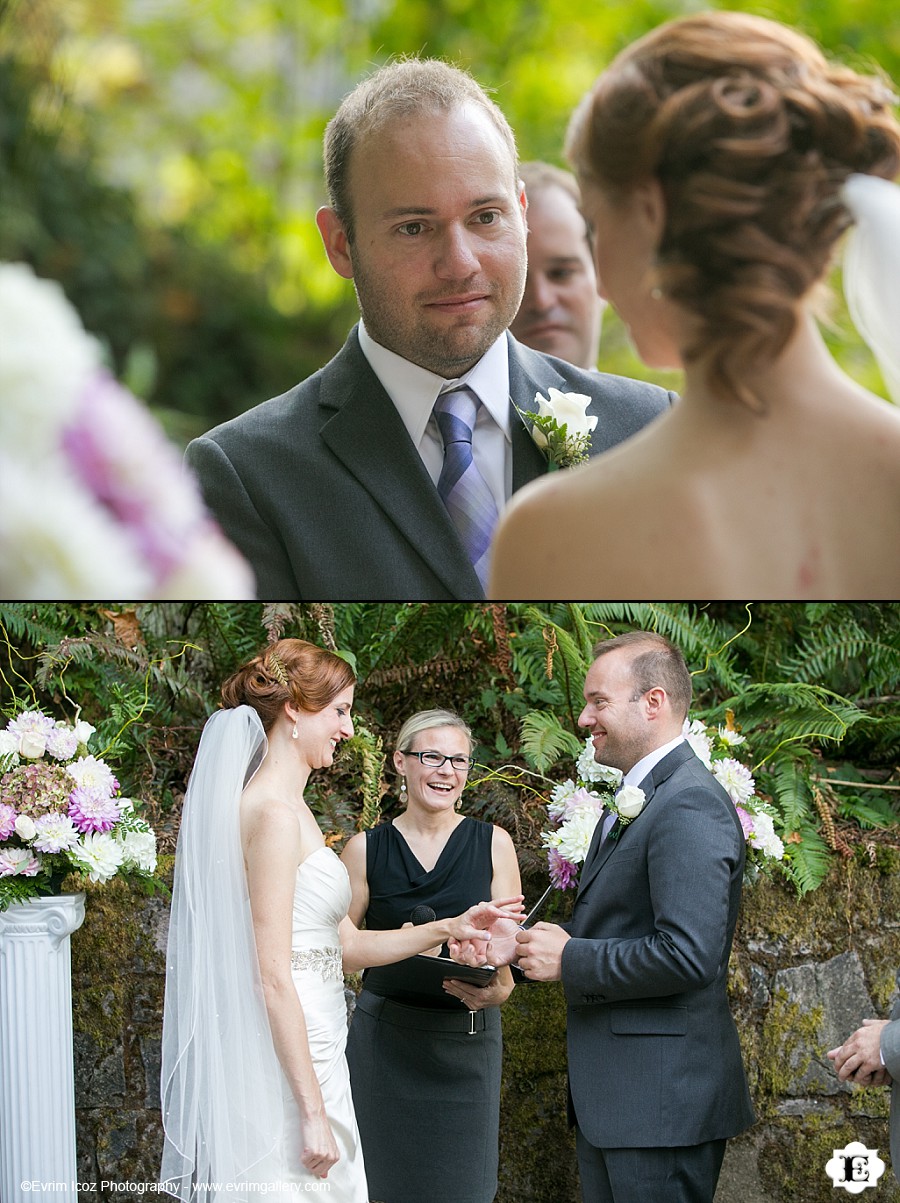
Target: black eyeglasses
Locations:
point(434, 760)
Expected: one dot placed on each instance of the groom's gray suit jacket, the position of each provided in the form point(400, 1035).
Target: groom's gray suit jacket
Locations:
point(325, 494)
point(654, 1058)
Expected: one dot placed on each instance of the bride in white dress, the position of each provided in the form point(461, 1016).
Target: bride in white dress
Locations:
point(255, 1090)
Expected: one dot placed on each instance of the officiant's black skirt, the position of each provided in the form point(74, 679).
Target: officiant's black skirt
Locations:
point(427, 1099)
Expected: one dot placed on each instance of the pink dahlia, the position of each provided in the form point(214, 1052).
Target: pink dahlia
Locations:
point(92, 810)
point(562, 872)
point(8, 818)
point(746, 821)
point(19, 862)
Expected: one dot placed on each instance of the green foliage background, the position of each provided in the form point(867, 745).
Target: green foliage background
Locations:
point(162, 160)
point(815, 687)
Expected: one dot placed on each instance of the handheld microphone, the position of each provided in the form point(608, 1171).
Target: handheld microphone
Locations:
point(422, 914)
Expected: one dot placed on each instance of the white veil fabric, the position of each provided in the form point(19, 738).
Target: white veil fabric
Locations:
point(872, 270)
point(221, 1082)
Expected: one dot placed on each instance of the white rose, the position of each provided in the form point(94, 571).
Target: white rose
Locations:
point(9, 744)
point(83, 731)
point(567, 409)
point(25, 828)
point(32, 745)
point(630, 802)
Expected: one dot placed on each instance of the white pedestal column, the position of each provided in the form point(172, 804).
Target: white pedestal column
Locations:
point(37, 1078)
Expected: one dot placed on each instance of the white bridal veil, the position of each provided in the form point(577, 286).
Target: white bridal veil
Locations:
point(220, 1081)
point(872, 270)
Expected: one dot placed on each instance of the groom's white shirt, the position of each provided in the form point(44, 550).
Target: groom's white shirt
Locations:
point(414, 390)
point(646, 764)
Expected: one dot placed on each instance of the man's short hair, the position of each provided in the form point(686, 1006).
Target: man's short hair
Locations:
point(399, 88)
point(656, 662)
point(538, 176)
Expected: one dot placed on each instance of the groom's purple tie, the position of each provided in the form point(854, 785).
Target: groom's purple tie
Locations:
point(461, 486)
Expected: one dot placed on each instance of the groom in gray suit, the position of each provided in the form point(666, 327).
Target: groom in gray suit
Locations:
point(656, 1080)
point(340, 488)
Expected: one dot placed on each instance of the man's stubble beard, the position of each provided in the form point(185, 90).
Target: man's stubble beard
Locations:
point(420, 344)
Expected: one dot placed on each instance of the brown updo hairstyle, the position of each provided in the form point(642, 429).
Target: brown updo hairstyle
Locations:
point(751, 133)
point(290, 670)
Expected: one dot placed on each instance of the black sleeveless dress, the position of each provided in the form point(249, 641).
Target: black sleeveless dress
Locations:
point(424, 1082)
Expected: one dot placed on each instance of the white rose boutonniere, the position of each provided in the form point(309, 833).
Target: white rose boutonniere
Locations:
point(627, 804)
point(562, 427)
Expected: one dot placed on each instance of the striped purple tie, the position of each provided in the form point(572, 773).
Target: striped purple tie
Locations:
point(461, 486)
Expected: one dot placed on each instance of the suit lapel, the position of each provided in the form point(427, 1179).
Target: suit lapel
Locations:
point(363, 430)
point(597, 856)
point(658, 775)
point(528, 375)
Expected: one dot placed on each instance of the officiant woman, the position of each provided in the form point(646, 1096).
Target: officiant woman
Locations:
point(423, 1065)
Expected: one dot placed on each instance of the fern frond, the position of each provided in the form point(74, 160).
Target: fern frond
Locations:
point(807, 864)
point(706, 644)
point(545, 740)
point(787, 781)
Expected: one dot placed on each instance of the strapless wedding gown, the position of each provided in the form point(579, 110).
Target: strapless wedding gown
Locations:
point(321, 900)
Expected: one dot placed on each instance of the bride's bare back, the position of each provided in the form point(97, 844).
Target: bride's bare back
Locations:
point(721, 157)
point(715, 501)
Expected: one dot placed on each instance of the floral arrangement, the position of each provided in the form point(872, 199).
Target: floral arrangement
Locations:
point(562, 428)
point(575, 806)
point(61, 811)
point(94, 501)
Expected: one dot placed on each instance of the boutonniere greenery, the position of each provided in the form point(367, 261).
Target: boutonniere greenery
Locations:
point(626, 806)
point(562, 427)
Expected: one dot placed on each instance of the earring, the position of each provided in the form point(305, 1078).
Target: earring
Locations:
point(294, 734)
point(656, 293)
point(459, 802)
point(404, 797)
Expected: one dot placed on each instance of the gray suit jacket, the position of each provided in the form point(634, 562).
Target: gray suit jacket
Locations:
point(890, 1051)
point(325, 494)
point(654, 1058)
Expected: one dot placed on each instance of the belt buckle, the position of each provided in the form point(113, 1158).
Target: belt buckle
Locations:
point(472, 1015)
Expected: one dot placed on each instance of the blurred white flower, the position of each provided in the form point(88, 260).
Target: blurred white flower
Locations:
point(736, 779)
point(574, 837)
point(94, 500)
point(695, 734)
point(99, 854)
point(729, 736)
point(588, 768)
point(139, 850)
point(763, 836)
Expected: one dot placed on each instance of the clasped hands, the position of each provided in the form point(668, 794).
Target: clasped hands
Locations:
point(537, 950)
point(858, 1059)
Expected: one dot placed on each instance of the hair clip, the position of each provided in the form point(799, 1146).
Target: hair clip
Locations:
point(276, 664)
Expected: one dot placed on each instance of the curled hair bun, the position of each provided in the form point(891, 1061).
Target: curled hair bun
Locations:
point(751, 133)
point(290, 670)
point(253, 683)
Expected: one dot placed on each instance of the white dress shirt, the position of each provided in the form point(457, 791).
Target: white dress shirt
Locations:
point(638, 772)
point(414, 391)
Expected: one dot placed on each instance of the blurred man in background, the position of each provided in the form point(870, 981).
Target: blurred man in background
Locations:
point(560, 312)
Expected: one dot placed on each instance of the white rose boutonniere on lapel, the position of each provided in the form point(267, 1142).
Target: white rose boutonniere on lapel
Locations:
point(562, 427)
point(627, 804)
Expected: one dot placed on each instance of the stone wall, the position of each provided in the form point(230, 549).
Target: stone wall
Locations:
point(803, 976)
